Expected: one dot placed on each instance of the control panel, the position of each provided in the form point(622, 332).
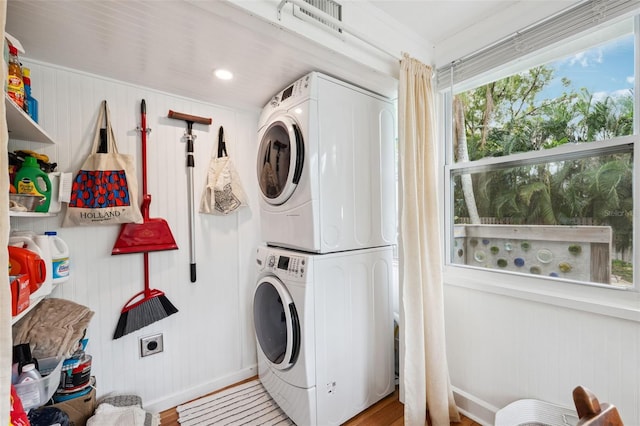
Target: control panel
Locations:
point(297, 90)
point(282, 265)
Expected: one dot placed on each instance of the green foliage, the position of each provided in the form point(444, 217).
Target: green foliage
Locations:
point(506, 117)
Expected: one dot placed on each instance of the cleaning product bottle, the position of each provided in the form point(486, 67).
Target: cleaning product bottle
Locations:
point(30, 387)
point(38, 245)
point(30, 179)
point(59, 257)
point(42, 241)
point(15, 84)
point(30, 101)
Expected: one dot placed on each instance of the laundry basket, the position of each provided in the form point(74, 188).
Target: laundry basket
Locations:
point(533, 412)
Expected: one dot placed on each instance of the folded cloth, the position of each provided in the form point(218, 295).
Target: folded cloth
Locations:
point(129, 400)
point(108, 415)
point(53, 328)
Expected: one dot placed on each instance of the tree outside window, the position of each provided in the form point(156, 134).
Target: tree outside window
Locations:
point(542, 170)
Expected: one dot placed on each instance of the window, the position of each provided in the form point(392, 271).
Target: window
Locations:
point(541, 159)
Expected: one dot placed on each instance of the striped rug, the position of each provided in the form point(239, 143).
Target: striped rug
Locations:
point(245, 404)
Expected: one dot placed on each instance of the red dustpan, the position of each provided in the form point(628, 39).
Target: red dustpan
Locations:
point(153, 234)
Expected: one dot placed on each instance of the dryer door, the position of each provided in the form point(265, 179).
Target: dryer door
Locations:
point(280, 160)
point(276, 323)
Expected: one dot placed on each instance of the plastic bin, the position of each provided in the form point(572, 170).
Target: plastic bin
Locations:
point(533, 412)
point(50, 369)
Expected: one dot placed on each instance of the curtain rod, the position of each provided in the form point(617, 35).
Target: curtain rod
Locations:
point(330, 19)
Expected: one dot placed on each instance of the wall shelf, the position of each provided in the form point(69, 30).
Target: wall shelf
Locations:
point(21, 126)
point(30, 214)
point(32, 304)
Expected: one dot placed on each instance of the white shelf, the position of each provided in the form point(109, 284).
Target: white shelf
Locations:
point(21, 126)
point(32, 304)
point(31, 214)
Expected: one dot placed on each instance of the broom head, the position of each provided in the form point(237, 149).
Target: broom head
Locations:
point(153, 307)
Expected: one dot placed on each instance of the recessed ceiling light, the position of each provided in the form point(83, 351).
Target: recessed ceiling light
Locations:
point(223, 74)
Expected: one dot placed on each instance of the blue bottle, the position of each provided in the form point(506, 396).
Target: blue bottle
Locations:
point(31, 102)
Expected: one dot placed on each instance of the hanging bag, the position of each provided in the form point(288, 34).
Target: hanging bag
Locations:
point(223, 193)
point(105, 190)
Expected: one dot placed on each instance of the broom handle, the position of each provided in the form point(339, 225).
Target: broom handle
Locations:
point(146, 198)
point(143, 130)
point(147, 291)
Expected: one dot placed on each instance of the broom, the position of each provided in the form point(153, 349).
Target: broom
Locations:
point(153, 307)
point(149, 305)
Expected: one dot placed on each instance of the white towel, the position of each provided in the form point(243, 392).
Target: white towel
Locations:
point(108, 415)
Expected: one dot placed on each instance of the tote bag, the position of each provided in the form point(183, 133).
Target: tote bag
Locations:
point(105, 190)
point(223, 193)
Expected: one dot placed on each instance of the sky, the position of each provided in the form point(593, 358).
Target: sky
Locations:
point(604, 70)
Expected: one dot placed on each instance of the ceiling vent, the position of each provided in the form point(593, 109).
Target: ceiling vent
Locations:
point(329, 7)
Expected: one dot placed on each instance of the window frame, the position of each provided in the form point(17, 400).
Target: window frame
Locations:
point(551, 290)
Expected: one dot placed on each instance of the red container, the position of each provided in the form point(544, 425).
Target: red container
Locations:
point(26, 262)
point(19, 294)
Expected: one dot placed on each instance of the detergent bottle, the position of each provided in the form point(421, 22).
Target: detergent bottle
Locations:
point(59, 257)
point(30, 179)
point(30, 387)
point(38, 244)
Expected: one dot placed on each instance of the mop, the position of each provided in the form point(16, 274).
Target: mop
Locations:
point(190, 137)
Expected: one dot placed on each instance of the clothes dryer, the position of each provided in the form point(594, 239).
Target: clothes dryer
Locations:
point(324, 328)
point(326, 167)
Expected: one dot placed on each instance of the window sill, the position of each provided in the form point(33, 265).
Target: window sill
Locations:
point(614, 302)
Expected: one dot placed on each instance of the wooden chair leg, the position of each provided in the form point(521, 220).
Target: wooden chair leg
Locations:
point(591, 412)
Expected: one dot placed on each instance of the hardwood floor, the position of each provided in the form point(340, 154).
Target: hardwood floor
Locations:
point(386, 412)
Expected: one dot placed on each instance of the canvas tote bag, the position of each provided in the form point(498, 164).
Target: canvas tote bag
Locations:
point(105, 190)
point(223, 193)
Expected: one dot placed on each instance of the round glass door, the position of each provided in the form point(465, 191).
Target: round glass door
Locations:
point(276, 323)
point(280, 160)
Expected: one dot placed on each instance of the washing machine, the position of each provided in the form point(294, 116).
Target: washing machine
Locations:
point(324, 331)
point(326, 167)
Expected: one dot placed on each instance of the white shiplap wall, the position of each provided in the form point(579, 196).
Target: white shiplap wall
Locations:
point(502, 348)
point(209, 343)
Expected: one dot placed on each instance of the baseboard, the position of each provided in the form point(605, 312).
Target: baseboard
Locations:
point(475, 408)
point(186, 395)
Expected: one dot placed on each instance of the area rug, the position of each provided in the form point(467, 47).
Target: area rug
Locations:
point(245, 404)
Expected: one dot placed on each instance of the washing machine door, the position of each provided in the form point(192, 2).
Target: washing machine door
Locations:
point(280, 160)
point(276, 323)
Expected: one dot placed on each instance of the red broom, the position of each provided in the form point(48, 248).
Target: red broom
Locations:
point(149, 305)
point(153, 307)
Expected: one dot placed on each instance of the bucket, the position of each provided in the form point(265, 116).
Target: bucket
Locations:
point(59, 257)
point(76, 373)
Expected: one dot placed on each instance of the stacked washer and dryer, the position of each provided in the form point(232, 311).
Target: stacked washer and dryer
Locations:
point(322, 306)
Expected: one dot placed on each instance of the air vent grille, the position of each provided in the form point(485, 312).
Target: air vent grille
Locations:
point(329, 7)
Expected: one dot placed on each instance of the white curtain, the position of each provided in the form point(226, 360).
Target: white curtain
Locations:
point(424, 371)
point(6, 345)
